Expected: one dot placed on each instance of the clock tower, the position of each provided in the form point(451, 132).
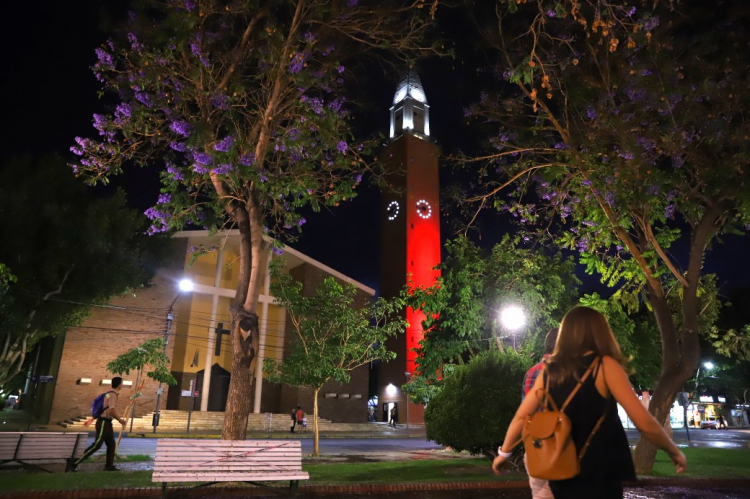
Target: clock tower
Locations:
point(410, 234)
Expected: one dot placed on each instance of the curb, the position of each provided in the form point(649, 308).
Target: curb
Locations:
point(363, 489)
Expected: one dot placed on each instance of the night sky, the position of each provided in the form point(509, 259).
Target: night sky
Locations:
point(49, 95)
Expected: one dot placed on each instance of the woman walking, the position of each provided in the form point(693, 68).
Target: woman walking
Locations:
point(585, 341)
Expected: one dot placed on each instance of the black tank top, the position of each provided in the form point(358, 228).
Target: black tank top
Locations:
point(608, 456)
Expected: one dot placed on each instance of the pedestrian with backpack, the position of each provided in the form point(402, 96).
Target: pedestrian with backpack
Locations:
point(576, 441)
point(104, 409)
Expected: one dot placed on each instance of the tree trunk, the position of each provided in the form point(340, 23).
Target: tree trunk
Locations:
point(316, 435)
point(680, 356)
point(245, 331)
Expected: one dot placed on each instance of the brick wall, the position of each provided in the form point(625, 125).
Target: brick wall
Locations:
point(108, 332)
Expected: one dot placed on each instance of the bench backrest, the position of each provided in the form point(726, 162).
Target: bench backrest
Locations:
point(28, 446)
point(210, 456)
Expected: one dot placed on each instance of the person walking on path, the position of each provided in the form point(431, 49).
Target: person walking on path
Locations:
point(300, 416)
point(539, 488)
point(394, 415)
point(585, 340)
point(294, 419)
point(105, 434)
point(722, 422)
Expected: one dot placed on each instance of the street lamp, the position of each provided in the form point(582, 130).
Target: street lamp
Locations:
point(406, 398)
point(185, 285)
point(513, 318)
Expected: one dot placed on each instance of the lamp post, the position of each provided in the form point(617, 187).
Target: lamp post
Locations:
point(513, 318)
point(406, 398)
point(707, 366)
point(186, 285)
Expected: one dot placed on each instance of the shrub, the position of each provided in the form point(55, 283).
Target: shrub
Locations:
point(477, 402)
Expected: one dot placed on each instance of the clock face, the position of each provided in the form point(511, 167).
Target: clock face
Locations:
point(392, 210)
point(424, 209)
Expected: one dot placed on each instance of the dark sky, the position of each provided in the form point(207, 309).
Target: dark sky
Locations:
point(49, 95)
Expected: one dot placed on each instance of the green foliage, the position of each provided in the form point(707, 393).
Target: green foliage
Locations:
point(462, 308)
point(477, 402)
point(149, 353)
point(66, 248)
point(335, 332)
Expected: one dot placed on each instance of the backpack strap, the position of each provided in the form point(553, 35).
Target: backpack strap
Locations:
point(599, 422)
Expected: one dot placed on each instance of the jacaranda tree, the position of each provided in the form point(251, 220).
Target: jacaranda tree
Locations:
point(619, 130)
point(239, 105)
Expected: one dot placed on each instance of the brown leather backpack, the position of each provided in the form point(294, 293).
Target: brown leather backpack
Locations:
point(550, 451)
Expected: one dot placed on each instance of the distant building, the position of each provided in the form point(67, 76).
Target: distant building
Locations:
point(197, 343)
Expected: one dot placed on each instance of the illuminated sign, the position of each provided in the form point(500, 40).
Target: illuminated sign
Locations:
point(722, 400)
point(706, 398)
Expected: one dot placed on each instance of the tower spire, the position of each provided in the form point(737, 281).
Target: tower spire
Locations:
point(410, 111)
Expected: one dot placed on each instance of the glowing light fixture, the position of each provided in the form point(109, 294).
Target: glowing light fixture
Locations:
point(391, 389)
point(186, 285)
point(513, 318)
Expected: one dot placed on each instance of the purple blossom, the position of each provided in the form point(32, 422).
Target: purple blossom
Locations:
point(582, 244)
point(551, 13)
point(178, 146)
point(247, 159)
point(646, 72)
point(308, 37)
point(669, 211)
point(134, 44)
point(189, 4)
point(342, 147)
point(220, 102)
point(106, 61)
point(143, 98)
point(327, 51)
point(358, 178)
point(222, 169)
point(181, 128)
point(609, 197)
point(203, 158)
point(301, 222)
point(100, 122)
point(175, 172)
point(586, 183)
point(561, 145)
point(650, 23)
point(263, 177)
point(340, 69)
point(591, 112)
point(653, 190)
point(626, 155)
point(276, 250)
point(225, 144)
point(352, 3)
point(299, 59)
point(164, 198)
point(200, 169)
point(630, 12)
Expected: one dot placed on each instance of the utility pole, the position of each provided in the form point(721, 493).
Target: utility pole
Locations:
point(160, 390)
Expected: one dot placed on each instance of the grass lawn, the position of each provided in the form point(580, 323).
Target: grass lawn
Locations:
point(705, 463)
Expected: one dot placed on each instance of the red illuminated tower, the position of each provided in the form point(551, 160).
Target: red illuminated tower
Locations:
point(410, 233)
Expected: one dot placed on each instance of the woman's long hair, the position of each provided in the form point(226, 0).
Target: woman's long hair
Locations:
point(582, 330)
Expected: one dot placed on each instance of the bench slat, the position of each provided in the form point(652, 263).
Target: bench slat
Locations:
point(182, 460)
point(228, 477)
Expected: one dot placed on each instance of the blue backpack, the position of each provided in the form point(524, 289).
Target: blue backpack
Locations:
point(97, 406)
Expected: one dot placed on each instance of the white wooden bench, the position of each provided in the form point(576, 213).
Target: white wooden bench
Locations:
point(213, 461)
point(24, 446)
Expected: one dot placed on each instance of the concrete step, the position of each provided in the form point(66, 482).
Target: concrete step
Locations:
point(177, 421)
